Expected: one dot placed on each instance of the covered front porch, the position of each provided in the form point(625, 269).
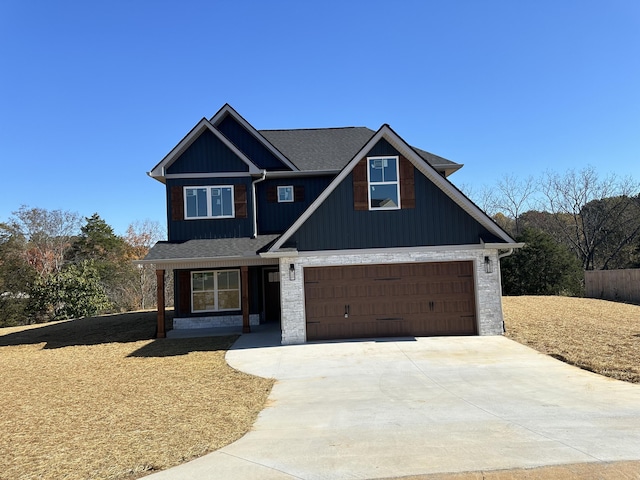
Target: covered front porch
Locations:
point(234, 292)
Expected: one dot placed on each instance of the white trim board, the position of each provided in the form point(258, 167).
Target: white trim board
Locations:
point(390, 250)
point(207, 175)
point(220, 262)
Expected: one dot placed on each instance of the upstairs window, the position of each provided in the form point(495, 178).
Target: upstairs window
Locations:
point(285, 194)
point(384, 187)
point(209, 202)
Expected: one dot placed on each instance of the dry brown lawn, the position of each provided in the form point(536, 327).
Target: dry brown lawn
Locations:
point(597, 335)
point(99, 398)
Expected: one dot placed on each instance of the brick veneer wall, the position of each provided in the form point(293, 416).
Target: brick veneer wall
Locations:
point(213, 321)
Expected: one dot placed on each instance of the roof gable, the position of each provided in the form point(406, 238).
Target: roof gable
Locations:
point(433, 220)
point(227, 111)
point(251, 146)
point(159, 172)
point(306, 150)
point(394, 140)
point(206, 155)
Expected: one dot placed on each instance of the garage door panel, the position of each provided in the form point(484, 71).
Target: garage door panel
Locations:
point(357, 290)
point(389, 300)
point(392, 327)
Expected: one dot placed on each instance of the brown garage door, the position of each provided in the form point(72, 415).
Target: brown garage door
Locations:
point(418, 299)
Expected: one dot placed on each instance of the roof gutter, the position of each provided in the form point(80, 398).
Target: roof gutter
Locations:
point(306, 173)
point(168, 261)
point(255, 204)
point(160, 179)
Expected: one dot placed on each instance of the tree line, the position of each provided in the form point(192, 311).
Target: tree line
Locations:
point(55, 265)
point(570, 223)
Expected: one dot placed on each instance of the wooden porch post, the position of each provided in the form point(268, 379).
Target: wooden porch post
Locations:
point(160, 333)
point(246, 327)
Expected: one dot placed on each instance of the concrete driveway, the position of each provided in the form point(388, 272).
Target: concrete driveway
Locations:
point(374, 409)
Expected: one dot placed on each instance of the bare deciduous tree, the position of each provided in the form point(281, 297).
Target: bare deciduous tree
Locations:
point(513, 197)
point(588, 212)
point(140, 237)
point(484, 198)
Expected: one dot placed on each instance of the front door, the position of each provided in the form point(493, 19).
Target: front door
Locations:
point(271, 294)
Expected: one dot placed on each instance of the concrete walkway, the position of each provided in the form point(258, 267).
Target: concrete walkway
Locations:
point(376, 409)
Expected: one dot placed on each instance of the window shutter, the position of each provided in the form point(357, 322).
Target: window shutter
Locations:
point(407, 187)
point(240, 200)
point(298, 193)
point(184, 292)
point(272, 194)
point(177, 203)
point(360, 194)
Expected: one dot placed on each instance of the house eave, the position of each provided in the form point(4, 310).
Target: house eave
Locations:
point(209, 175)
point(206, 262)
point(159, 178)
point(302, 173)
point(271, 174)
point(448, 169)
point(287, 253)
point(504, 246)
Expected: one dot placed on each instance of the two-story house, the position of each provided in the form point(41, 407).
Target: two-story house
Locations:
point(331, 232)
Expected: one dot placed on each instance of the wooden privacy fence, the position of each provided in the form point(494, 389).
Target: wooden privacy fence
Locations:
point(621, 285)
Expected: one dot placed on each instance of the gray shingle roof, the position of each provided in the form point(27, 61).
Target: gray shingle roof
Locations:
point(319, 148)
point(331, 148)
point(435, 160)
point(210, 248)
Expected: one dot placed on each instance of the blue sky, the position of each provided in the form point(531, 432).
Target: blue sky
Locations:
point(94, 94)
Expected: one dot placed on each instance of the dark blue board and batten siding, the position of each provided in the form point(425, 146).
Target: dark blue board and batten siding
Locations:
point(382, 148)
point(435, 220)
point(207, 154)
point(250, 146)
point(183, 230)
point(275, 217)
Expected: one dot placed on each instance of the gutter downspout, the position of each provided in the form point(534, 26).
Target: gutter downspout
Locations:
point(500, 256)
point(505, 254)
point(255, 204)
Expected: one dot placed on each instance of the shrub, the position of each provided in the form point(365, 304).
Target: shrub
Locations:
point(542, 267)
